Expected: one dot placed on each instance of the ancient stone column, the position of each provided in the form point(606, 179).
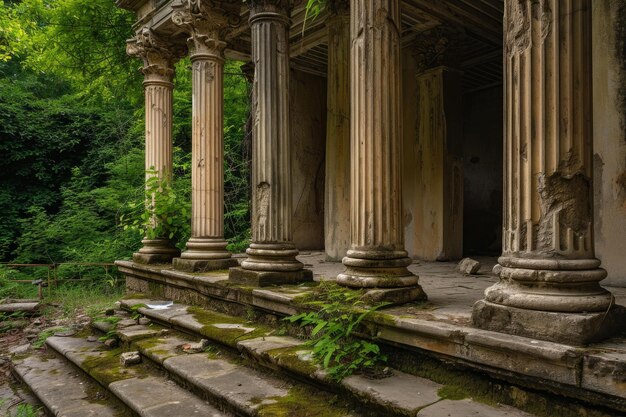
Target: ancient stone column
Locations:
point(337, 179)
point(376, 259)
point(206, 24)
point(549, 284)
point(271, 255)
point(436, 230)
point(158, 69)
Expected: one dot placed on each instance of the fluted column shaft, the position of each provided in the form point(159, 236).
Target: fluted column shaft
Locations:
point(158, 70)
point(271, 248)
point(337, 184)
point(548, 255)
point(376, 258)
point(206, 23)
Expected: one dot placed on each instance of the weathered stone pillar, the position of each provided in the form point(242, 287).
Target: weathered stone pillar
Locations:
point(437, 201)
point(549, 284)
point(271, 255)
point(206, 25)
point(377, 260)
point(158, 69)
point(337, 179)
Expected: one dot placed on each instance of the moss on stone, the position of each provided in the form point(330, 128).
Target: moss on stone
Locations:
point(229, 337)
point(303, 401)
point(289, 358)
point(453, 392)
point(106, 368)
point(135, 296)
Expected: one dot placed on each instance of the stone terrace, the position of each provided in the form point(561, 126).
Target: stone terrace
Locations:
point(439, 328)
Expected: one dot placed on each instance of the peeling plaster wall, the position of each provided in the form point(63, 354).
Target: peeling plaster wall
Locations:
point(609, 141)
point(308, 142)
point(483, 176)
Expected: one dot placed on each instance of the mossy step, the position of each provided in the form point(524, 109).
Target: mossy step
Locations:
point(64, 391)
point(398, 395)
point(139, 388)
point(222, 379)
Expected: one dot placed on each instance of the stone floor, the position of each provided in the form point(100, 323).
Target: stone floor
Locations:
point(451, 294)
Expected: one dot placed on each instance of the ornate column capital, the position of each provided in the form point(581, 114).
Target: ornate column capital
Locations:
point(207, 22)
point(438, 46)
point(270, 9)
point(158, 56)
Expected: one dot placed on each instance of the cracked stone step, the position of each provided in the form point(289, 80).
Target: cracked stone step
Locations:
point(401, 394)
point(64, 391)
point(243, 390)
point(147, 395)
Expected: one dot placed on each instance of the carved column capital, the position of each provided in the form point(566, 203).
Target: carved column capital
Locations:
point(438, 46)
point(158, 56)
point(207, 22)
point(270, 9)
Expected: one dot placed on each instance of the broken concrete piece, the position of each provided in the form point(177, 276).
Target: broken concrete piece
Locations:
point(130, 358)
point(195, 347)
point(126, 323)
point(497, 269)
point(469, 266)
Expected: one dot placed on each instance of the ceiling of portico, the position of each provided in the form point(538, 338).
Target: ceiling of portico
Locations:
point(481, 20)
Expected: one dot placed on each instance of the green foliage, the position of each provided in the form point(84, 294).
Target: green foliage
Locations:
point(27, 410)
point(45, 334)
point(337, 315)
point(164, 214)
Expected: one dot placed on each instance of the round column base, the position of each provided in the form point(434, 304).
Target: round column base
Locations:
point(384, 276)
point(569, 328)
point(205, 254)
point(156, 251)
point(556, 290)
point(272, 257)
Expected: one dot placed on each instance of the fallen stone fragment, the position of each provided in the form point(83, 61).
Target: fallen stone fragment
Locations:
point(130, 358)
point(144, 321)
point(497, 269)
point(469, 266)
point(92, 339)
point(195, 347)
point(111, 343)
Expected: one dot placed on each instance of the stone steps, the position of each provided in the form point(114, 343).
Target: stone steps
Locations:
point(399, 395)
point(64, 391)
point(142, 391)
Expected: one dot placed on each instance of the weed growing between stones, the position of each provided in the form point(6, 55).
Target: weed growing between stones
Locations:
point(27, 410)
point(44, 335)
point(337, 314)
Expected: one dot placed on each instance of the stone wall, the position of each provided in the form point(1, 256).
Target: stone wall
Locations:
point(482, 167)
point(609, 97)
point(308, 141)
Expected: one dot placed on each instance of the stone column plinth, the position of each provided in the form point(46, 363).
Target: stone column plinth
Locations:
point(549, 284)
point(158, 70)
point(376, 259)
point(337, 183)
point(206, 25)
point(272, 255)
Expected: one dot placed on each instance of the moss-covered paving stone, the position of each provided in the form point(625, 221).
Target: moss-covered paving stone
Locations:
point(303, 401)
point(221, 328)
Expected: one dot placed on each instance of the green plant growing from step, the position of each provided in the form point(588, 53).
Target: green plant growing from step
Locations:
point(27, 410)
point(338, 313)
point(44, 335)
